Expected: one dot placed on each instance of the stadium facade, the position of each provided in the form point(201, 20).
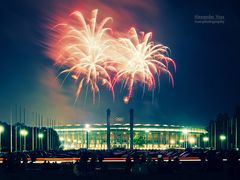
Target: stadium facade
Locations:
point(144, 136)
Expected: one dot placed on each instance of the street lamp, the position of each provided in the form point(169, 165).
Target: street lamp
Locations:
point(40, 136)
point(87, 126)
point(24, 133)
point(172, 142)
point(1, 131)
point(181, 141)
point(205, 140)
point(192, 140)
point(222, 139)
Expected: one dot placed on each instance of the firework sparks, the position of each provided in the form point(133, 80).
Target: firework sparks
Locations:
point(141, 61)
point(91, 56)
point(85, 51)
point(125, 99)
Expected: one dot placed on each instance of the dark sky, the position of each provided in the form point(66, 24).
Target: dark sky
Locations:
point(206, 82)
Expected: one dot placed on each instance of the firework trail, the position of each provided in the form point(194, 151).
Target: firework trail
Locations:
point(141, 61)
point(85, 51)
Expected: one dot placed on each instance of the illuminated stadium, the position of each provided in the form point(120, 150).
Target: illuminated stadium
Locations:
point(145, 136)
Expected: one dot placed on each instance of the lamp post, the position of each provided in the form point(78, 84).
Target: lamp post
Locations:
point(185, 134)
point(192, 140)
point(181, 141)
point(87, 126)
point(24, 133)
point(222, 139)
point(147, 132)
point(205, 141)
point(40, 136)
point(172, 142)
point(1, 131)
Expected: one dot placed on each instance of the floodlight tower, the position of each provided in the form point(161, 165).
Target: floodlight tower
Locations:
point(108, 128)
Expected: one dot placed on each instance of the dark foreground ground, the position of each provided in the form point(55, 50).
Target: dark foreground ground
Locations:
point(116, 171)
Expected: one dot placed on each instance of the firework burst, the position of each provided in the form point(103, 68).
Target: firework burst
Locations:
point(85, 51)
point(141, 61)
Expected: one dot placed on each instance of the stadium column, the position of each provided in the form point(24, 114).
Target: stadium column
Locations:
point(108, 128)
point(131, 128)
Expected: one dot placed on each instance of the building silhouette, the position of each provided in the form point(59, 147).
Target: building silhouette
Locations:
point(224, 132)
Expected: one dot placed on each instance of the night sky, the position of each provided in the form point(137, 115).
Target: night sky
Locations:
point(207, 79)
